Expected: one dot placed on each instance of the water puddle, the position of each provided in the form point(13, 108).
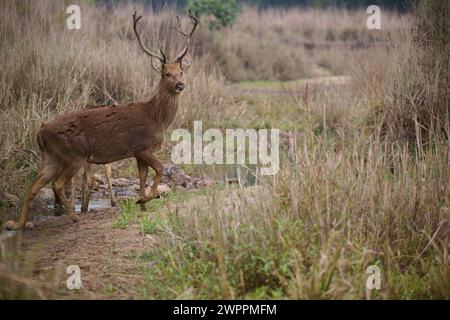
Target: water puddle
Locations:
point(101, 200)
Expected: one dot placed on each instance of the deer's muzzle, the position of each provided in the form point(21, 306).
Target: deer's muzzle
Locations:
point(179, 87)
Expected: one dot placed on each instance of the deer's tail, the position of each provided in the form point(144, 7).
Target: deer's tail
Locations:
point(40, 140)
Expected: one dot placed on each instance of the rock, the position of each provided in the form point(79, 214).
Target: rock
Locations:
point(188, 184)
point(180, 188)
point(98, 179)
point(204, 183)
point(96, 195)
point(45, 195)
point(7, 234)
point(9, 225)
point(173, 175)
point(42, 218)
point(163, 188)
point(29, 225)
point(121, 182)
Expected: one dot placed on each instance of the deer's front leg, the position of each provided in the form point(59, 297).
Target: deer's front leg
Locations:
point(143, 174)
point(150, 160)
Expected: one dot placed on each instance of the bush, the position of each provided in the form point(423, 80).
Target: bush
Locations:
point(223, 12)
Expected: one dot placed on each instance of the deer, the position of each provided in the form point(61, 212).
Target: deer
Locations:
point(107, 134)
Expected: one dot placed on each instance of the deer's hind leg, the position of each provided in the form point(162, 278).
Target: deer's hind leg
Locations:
point(58, 207)
point(49, 170)
point(68, 172)
point(108, 172)
point(88, 179)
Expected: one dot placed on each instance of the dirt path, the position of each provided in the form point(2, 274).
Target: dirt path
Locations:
point(106, 256)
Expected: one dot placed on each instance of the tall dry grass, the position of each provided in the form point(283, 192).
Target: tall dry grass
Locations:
point(287, 44)
point(417, 99)
point(346, 197)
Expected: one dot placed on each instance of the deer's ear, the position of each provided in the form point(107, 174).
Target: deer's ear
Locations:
point(185, 62)
point(157, 65)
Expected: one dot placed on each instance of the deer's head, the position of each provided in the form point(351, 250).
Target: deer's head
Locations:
point(171, 72)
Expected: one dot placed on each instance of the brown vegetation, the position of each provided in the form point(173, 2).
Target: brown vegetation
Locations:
point(364, 176)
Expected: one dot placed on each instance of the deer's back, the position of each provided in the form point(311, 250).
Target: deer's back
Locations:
point(101, 135)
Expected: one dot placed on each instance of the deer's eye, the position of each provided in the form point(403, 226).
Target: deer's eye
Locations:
point(181, 73)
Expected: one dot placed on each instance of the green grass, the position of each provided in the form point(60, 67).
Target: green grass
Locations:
point(130, 211)
point(149, 225)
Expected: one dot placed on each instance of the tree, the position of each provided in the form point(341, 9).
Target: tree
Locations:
point(223, 13)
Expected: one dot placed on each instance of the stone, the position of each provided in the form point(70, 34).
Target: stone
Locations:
point(29, 225)
point(204, 183)
point(180, 188)
point(189, 184)
point(9, 225)
point(98, 178)
point(121, 182)
point(174, 175)
point(46, 195)
point(163, 188)
point(42, 218)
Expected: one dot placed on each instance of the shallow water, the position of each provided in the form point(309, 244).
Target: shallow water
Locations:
point(100, 200)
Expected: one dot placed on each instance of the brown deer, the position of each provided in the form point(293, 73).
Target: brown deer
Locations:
point(108, 134)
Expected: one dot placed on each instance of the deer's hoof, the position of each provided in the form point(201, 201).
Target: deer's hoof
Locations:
point(58, 213)
point(75, 218)
point(141, 200)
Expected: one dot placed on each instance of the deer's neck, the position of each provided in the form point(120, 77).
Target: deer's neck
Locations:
point(163, 106)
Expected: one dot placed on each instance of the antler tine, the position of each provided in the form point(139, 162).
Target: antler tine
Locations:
point(163, 55)
point(151, 54)
point(188, 35)
point(178, 27)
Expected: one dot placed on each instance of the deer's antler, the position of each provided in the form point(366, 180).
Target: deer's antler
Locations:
point(188, 35)
point(151, 54)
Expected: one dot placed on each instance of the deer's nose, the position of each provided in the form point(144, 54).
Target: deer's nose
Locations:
point(179, 86)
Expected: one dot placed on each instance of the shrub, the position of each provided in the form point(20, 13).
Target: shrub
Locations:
point(223, 12)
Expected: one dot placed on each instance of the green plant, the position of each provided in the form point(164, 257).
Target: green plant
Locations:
point(224, 12)
point(130, 210)
point(148, 225)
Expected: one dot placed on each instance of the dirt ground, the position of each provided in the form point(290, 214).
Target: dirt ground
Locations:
point(107, 257)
